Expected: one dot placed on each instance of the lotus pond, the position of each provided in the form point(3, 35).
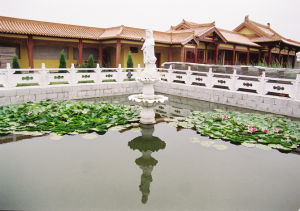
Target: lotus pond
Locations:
point(93, 155)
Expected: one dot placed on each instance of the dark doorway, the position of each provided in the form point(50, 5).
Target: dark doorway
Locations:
point(157, 55)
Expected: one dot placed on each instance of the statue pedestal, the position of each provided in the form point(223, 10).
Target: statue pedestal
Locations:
point(147, 115)
point(148, 100)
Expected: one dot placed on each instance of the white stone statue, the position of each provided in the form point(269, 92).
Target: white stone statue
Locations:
point(148, 48)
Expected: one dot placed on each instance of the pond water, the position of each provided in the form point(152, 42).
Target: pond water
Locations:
point(151, 168)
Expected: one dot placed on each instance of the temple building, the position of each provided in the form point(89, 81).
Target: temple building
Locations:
point(250, 43)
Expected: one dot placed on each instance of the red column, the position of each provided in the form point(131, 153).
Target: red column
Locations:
point(205, 54)
point(182, 57)
point(118, 53)
point(288, 58)
point(30, 51)
point(248, 57)
point(100, 55)
point(217, 52)
point(233, 56)
point(279, 56)
point(80, 47)
point(294, 61)
point(259, 55)
point(269, 56)
point(170, 55)
point(196, 54)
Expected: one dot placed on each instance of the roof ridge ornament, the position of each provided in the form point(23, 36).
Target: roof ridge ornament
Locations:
point(247, 18)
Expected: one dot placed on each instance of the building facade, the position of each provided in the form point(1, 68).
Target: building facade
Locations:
point(250, 43)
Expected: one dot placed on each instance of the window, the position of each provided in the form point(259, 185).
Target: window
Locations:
point(134, 50)
point(49, 52)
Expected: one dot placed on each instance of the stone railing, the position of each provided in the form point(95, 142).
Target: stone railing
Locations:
point(262, 81)
point(46, 77)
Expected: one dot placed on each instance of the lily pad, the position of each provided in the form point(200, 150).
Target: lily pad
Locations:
point(207, 143)
point(220, 147)
point(89, 136)
point(55, 137)
point(194, 140)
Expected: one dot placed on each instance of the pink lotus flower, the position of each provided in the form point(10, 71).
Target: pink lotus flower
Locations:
point(50, 110)
point(265, 130)
point(29, 112)
point(20, 106)
point(251, 129)
point(223, 116)
point(53, 105)
point(270, 119)
point(276, 130)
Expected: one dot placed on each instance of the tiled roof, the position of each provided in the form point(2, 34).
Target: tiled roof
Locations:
point(189, 25)
point(265, 33)
point(234, 37)
point(180, 34)
point(22, 26)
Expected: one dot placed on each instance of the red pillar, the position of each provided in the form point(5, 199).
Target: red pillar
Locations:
point(259, 55)
point(288, 58)
point(170, 55)
point(217, 52)
point(196, 54)
point(269, 56)
point(248, 57)
point(205, 54)
point(182, 57)
point(118, 53)
point(30, 51)
point(233, 56)
point(100, 55)
point(294, 61)
point(80, 47)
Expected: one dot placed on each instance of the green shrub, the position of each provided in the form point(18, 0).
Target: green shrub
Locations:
point(129, 60)
point(90, 62)
point(15, 62)
point(62, 60)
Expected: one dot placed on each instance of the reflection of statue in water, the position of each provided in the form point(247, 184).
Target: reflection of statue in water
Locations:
point(148, 49)
point(146, 144)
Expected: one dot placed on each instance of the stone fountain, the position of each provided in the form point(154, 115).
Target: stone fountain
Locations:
point(148, 100)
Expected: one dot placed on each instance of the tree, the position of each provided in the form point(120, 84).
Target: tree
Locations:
point(15, 62)
point(129, 60)
point(90, 62)
point(62, 60)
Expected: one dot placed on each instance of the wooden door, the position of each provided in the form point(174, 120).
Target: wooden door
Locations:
point(157, 55)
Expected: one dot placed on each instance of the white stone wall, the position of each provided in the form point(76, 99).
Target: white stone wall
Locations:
point(66, 92)
point(272, 104)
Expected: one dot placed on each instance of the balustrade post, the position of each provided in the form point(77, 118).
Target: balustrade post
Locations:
point(120, 75)
point(10, 79)
point(43, 76)
point(169, 75)
point(209, 78)
point(139, 70)
point(296, 91)
point(233, 85)
point(97, 74)
point(73, 78)
point(262, 88)
point(188, 76)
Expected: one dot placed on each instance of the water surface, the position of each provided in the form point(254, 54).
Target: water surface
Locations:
point(156, 168)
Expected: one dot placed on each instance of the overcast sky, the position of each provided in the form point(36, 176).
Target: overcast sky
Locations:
point(160, 14)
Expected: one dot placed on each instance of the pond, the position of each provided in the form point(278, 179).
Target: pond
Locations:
point(148, 168)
